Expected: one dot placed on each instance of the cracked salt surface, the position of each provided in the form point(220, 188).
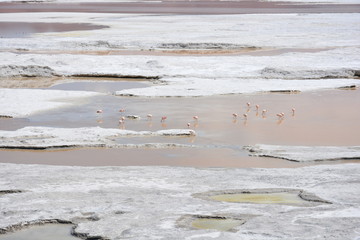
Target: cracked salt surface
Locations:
point(47, 138)
point(152, 199)
point(197, 75)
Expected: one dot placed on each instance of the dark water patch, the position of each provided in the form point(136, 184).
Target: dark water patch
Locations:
point(10, 191)
point(350, 87)
point(109, 75)
point(24, 29)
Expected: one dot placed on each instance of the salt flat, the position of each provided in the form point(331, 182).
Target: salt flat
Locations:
point(147, 202)
point(183, 56)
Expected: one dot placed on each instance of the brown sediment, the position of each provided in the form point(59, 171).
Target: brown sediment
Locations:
point(182, 7)
point(24, 29)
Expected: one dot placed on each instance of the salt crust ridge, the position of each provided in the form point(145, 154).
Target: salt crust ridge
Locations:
point(46, 138)
point(305, 153)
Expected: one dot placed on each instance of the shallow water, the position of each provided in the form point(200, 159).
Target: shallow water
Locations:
point(321, 118)
point(216, 223)
point(24, 29)
point(42, 232)
point(97, 86)
point(261, 198)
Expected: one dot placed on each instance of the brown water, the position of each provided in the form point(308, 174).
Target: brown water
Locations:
point(182, 7)
point(321, 118)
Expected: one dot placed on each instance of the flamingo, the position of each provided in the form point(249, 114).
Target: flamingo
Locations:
point(149, 116)
point(195, 118)
point(257, 107)
point(248, 104)
point(188, 125)
point(235, 115)
point(245, 116)
point(163, 118)
point(99, 111)
point(280, 115)
point(293, 111)
point(122, 110)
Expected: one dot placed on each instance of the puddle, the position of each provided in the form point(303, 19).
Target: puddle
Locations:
point(220, 224)
point(42, 232)
point(292, 197)
point(97, 86)
point(24, 29)
point(260, 198)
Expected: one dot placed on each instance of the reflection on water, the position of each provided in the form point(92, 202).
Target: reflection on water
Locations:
point(42, 232)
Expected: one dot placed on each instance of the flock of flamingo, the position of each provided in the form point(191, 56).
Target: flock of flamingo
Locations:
point(149, 116)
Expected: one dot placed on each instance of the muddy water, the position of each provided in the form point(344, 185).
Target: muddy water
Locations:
point(42, 232)
point(321, 118)
point(24, 29)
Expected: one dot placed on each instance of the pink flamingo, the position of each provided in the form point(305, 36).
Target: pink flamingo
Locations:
point(99, 111)
point(280, 115)
point(293, 111)
point(149, 116)
point(122, 110)
point(163, 119)
point(257, 107)
point(195, 118)
point(245, 116)
point(188, 125)
point(235, 115)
